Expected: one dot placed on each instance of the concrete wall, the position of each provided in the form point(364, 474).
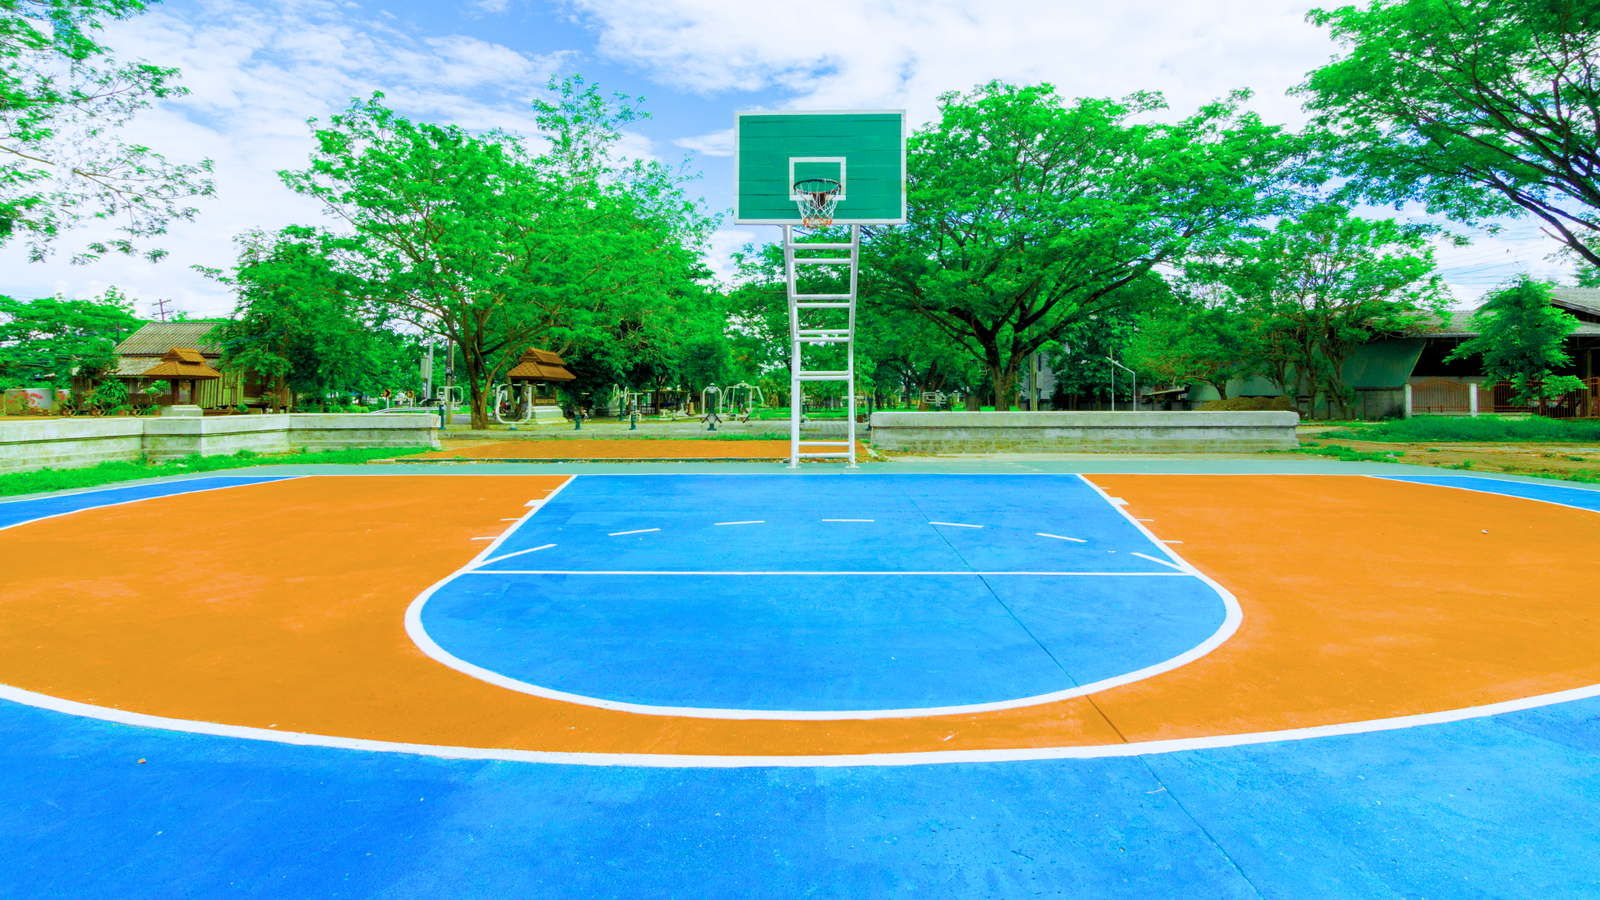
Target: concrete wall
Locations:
point(69, 443)
point(1069, 432)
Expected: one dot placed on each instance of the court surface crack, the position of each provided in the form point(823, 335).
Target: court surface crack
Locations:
point(1025, 629)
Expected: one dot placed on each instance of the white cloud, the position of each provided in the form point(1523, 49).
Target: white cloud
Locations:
point(893, 53)
point(717, 143)
point(255, 75)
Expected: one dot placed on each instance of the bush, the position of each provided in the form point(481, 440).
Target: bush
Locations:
point(1250, 404)
point(109, 394)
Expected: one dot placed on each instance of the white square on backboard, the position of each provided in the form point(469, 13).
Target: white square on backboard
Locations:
point(844, 185)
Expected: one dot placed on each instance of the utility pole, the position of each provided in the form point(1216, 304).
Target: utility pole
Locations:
point(161, 309)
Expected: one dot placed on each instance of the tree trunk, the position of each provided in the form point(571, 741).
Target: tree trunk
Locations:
point(1004, 381)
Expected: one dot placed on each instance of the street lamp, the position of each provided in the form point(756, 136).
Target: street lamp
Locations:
point(1114, 384)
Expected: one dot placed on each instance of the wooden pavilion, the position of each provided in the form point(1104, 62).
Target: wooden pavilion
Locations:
point(183, 368)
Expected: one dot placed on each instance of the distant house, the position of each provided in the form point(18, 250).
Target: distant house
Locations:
point(145, 350)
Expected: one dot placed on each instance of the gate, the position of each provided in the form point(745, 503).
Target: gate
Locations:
point(1440, 396)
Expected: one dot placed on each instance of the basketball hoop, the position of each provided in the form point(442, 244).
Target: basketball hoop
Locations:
point(817, 199)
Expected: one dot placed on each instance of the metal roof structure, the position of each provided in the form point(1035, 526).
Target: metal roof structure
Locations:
point(540, 365)
point(156, 338)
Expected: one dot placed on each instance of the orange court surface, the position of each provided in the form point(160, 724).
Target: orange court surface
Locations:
point(931, 624)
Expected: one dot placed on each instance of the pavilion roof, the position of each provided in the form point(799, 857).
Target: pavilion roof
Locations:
point(540, 365)
point(182, 364)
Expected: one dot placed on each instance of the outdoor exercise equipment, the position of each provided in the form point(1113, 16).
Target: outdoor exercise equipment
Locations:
point(517, 399)
point(711, 402)
point(744, 399)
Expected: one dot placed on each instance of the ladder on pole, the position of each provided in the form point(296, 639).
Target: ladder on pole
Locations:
point(814, 321)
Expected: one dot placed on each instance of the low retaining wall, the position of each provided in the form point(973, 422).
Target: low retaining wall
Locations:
point(1084, 432)
point(70, 443)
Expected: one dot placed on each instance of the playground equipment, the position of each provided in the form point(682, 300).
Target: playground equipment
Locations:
point(814, 170)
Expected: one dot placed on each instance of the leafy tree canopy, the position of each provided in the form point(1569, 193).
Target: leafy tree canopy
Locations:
point(48, 340)
point(297, 326)
point(1318, 284)
point(1521, 335)
point(62, 165)
point(1477, 108)
point(473, 237)
point(1029, 213)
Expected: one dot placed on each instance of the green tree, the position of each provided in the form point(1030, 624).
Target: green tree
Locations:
point(1477, 108)
point(1325, 281)
point(1028, 213)
point(1521, 336)
point(472, 237)
point(1079, 360)
point(296, 323)
point(62, 100)
point(51, 339)
point(1194, 342)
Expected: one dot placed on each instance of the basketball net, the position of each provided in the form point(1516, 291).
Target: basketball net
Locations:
point(818, 197)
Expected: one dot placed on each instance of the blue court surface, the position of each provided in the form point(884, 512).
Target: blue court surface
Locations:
point(889, 593)
point(855, 593)
point(15, 511)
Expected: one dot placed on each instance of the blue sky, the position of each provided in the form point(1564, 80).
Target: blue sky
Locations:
point(258, 70)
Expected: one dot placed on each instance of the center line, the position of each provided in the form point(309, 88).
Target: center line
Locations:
point(1061, 538)
point(751, 522)
point(955, 524)
point(640, 531)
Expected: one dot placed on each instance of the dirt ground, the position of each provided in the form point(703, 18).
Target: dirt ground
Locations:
point(609, 448)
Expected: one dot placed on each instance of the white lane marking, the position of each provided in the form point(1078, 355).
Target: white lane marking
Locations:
point(838, 572)
point(1116, 501)
point(671, 761)
point(640, 531)
point(1144, 520)
point(518, 519)
point(1172, 542)
point(750, 522)
point(1161, 561)
point(517, 553)
point(847, 520)
point(533, 507)
point(955, 524)
point(489, 538)
point(1061, 537)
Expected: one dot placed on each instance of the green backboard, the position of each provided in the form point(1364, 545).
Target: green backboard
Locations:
point(863, 150)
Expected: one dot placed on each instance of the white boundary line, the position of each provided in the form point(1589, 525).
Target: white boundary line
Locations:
point(1407, 479)
point(685, 761)
point(219, 487)
point(963, 572)
point(1230, 623)
point(664, 760)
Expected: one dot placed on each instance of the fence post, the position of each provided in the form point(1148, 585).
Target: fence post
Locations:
point(1408, 401)
point(1472, 398)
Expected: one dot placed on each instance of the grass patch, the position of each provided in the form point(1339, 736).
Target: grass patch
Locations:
point(1483, 429)
point(1345, 454)
point(45, 480)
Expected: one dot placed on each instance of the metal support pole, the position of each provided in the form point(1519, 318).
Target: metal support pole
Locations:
point(813, 320)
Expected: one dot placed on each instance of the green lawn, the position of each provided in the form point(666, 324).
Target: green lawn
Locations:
point(43, 480)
